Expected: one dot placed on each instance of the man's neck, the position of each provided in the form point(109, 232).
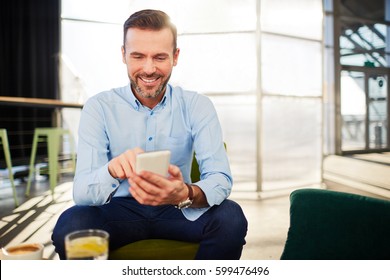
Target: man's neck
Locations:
point(150, 102)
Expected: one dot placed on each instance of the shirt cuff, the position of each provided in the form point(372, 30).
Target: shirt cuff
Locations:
point(105, 179)
point(214, 193)
point(192, 214)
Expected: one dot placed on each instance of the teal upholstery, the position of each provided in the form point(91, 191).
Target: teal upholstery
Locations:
point(160, 249)
point(331, 225)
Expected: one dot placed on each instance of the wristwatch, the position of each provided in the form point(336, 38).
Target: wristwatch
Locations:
point(188, 202)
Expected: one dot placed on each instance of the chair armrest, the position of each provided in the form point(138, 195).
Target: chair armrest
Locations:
point(327, 224)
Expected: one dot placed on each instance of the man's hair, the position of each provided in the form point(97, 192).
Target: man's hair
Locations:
point(150, 20)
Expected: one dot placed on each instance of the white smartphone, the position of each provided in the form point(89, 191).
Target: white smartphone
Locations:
point(157, 162)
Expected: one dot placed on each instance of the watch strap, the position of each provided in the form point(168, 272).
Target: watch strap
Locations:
point(188, 202)
point(190, 192)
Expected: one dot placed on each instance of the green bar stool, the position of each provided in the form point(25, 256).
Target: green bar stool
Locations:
point(4, 141)
point(52, 136)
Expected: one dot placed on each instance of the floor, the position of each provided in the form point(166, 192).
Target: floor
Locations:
point(37, 214)
point(35, 217)
point(268, 221)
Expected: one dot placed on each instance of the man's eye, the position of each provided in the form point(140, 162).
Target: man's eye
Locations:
point(136, 56)
point(161, 58)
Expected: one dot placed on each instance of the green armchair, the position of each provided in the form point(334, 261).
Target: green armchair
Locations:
point(331, 225)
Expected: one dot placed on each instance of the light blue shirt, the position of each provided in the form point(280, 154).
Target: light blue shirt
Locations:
point(183, 122)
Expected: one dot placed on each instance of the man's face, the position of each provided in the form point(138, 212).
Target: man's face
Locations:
point(149, 57)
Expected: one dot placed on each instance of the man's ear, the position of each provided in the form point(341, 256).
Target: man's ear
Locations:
point(123, 54)
point(176, 56)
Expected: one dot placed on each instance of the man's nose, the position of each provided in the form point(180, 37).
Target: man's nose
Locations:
point(149, 67)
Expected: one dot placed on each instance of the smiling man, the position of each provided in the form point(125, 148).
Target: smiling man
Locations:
point(149, 57)
point(149, 115)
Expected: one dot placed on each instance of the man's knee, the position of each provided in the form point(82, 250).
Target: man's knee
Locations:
point(74, 218)
point(229, 215)
point(238, 216)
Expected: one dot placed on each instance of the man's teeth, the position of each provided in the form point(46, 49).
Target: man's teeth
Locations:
point(148, 80)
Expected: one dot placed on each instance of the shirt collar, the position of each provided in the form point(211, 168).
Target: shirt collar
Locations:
point(131, 98)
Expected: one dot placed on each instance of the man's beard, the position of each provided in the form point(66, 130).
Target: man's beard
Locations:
point(138, 89)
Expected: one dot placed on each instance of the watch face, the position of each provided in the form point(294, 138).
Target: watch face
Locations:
point(185, 204)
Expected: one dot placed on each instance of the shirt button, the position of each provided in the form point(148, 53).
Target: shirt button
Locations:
point(150, 138)
point(151, 113)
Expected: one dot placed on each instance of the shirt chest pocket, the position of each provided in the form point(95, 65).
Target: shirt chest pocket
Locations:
point(181, 149)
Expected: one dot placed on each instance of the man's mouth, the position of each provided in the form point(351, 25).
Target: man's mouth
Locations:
point(149, 80)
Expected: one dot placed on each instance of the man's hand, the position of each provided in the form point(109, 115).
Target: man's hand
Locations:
point(152, 189)
point(123, 166)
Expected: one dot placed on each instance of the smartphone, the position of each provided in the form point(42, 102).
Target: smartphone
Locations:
point(157, 162)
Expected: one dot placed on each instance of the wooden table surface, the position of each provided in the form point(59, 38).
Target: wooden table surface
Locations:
point(37, 102)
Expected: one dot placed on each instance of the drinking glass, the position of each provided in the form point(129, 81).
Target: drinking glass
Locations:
point(89, 244)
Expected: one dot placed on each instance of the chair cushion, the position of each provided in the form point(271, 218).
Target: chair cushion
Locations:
point(334, 225)
point(156, 249)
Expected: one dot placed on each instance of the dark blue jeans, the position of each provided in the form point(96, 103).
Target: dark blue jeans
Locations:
point(221, 230)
